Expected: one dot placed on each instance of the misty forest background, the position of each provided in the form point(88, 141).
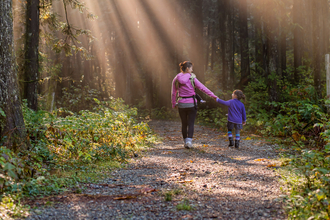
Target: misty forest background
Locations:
point(133, 48)
point(84, 74)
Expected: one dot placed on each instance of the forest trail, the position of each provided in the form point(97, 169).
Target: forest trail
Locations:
point(210, 181)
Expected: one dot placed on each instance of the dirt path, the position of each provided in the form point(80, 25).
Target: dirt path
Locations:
point(210, 181)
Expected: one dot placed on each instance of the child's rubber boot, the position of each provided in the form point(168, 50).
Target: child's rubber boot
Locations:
point(236, 144)
point(231, 142)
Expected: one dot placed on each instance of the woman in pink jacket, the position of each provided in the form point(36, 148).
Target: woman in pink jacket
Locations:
point(184, 98)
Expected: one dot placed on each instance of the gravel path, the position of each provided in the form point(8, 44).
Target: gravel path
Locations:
point(210, 181)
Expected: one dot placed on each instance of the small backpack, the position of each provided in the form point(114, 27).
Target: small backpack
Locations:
point(177, 84)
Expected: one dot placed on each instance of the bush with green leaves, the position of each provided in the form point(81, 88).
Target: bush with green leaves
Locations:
point(76, 98)
point(109, 132)
point(310, 196)
point(295, 114)
point(215, 116)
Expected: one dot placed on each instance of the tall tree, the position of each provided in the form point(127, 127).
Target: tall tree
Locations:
point(317, 50)
point(223, 40)
point(213, 45)
point(298, 41)
point(208, 43)
point(325, 27)
point(258, 40)
point(244, 43)
point(282, 38)
point(231, 40)
point(31, 54)
point(197, 45)
point(272, 64)
point(11, 117)
point(307, 29)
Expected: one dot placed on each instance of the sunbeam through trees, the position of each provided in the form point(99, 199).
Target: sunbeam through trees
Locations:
point(81, 80)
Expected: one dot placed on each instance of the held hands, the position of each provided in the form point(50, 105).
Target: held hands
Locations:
point(215, 98)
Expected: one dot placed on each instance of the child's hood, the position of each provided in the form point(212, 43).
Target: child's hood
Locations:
point(183, 78)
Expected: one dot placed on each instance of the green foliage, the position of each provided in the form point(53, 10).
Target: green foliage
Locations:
point(69, 43)
point(2, 118)
point(110, 131)
point(9, 207)
point(12, 168)
point(169, 194)
point(76, 98)
point(216, 116)
point(297, 110)
point(309, 197)
point(184, 205)
point(64, 150)
point(2, 113)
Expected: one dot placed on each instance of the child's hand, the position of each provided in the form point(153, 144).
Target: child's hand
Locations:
point(215, 98)
point(244, 123)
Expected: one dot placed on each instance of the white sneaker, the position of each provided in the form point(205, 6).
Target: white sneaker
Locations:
point(188, 143)
point(185, 143)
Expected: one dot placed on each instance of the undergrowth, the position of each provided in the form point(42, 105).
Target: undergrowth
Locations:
point(68, 149)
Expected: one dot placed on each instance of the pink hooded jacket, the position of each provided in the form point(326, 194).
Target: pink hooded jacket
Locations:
point(186, 89)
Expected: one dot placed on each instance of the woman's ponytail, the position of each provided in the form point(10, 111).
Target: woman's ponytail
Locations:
point(184, 65)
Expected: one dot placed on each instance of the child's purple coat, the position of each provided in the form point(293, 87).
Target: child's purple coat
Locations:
point(186, 89)
point(236, 110)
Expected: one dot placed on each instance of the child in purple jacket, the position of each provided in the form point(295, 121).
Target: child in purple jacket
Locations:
point(183, 88)
point(236, 116)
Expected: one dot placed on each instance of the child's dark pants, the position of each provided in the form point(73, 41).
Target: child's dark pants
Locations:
point(231, 127)
point(187, 116)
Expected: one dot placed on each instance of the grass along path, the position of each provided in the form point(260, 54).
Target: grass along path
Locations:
point(167, 181)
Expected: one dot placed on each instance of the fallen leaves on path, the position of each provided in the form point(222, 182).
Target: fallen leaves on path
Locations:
point(261, 159)
point(271, 165)
point(185, 181)
point(125, 197)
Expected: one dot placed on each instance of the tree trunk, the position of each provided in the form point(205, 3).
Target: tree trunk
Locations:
point(229, 47)
point(298, 41)
point(197, 45)
point(31, 54)
point(308, 29)
point(213, 46)
point(271, 30)
point(223, 37)
point(244, 44)
point(317, 51)
point(11, 117)
point(282, 40)
point(325, 12)
point(259, 48)
point(208, 44)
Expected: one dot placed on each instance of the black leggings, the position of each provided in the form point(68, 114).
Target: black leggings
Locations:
point(187, 116)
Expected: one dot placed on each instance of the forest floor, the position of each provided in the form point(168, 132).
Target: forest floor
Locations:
point(210, 181)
